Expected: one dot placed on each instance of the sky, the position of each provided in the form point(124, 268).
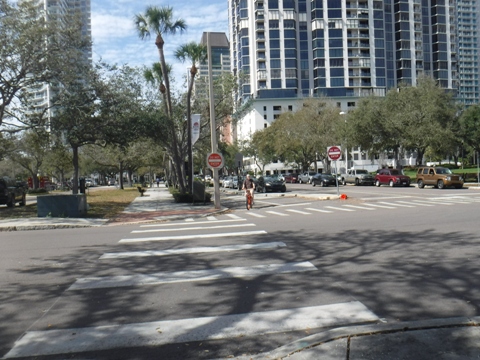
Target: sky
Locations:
point(115, 39)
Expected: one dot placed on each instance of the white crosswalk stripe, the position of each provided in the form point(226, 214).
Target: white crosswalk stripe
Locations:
point(190, 228)
point(188, 276)
point(396, 203)
point(338, 208)
point(157, 333)
point(380, 206)
point(416, 203)
point(193, 250)
point(276, 213)
point(320, 210)
point(193, 236)
point(196, 223)
point(359, 207)
point(255, 214)
point(299, 212)
point(233, 216)
point(211, 218)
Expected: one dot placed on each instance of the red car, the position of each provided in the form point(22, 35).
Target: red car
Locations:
point(391, 177)
point(290, 178)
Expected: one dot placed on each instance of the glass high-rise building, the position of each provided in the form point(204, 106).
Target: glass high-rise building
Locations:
point(468, 18)
point(340, 48)
point(54, 10)
point(287, 50)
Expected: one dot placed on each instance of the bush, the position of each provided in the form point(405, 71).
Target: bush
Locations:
point(188, 198)
point(37, 191)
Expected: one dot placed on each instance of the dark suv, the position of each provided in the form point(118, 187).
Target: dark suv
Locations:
point(12, 192)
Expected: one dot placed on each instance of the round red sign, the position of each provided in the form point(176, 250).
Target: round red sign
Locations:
point(334, 152)
point(215, 160)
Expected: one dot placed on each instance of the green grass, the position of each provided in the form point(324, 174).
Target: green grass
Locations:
point(103, 204)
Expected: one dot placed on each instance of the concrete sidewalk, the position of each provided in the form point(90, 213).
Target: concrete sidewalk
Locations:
point(157, 204)
point(455, 338)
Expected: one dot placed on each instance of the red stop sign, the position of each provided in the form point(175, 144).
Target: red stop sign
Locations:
point(215, 160)
point(334, 152)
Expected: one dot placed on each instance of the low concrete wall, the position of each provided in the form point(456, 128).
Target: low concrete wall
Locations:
point(72, 206)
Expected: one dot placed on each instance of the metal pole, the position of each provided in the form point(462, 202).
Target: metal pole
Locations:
point(478, 171)
point(216, 186)
point(336, 176)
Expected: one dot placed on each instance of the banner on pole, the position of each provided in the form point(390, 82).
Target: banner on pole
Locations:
point(195, 128)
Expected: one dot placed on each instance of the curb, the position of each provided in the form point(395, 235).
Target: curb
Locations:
point(327, 336)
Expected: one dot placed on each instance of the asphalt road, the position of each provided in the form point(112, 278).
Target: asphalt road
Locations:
point(383, 255)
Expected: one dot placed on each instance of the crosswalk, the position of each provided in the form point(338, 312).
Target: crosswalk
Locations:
point(306, 209)
point(169, 240)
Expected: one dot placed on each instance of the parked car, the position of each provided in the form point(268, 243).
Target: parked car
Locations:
point(290, 178)
point(391, 177)
point(306, 177)
point(439, 177)
point(324, 180)
point(89, 182)
point(357, 177)
point(12, 192)
point(271, 183)
point(227, 181)
point(234, 183)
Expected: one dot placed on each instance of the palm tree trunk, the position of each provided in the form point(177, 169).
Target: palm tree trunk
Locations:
point(178, 162)
point(189, 133)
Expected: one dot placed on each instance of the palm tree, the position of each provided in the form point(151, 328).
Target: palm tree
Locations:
point(158, 21)
point(195, 53)
point(154, 75)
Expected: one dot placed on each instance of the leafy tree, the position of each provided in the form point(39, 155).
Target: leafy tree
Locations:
point(261, 148)
point(58, 162)
point(470, 127)
point(31, 152)
point(424, 114)
point(32, 54)
point(301, 136)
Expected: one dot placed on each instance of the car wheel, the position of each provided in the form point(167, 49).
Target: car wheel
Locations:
point(420, 184)
point(391, 183)
point(284, 188)
point(440, 184)
point(24, 200)
point(11, 201)
point(344, 182)
point(324, 184)
point(264, 190)
point(357, 182)
point(377, 183)
point(299, 181)
point(313, 183)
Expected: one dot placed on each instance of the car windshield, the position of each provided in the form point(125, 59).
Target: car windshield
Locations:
point(328, 176)
point(362, 172)
point(395, 172)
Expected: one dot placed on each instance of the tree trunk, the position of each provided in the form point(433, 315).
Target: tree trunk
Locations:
point(120, 180)
point(75, 170)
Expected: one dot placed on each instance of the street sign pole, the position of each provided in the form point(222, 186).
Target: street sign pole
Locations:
point(216, 185)
point(334, 153)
